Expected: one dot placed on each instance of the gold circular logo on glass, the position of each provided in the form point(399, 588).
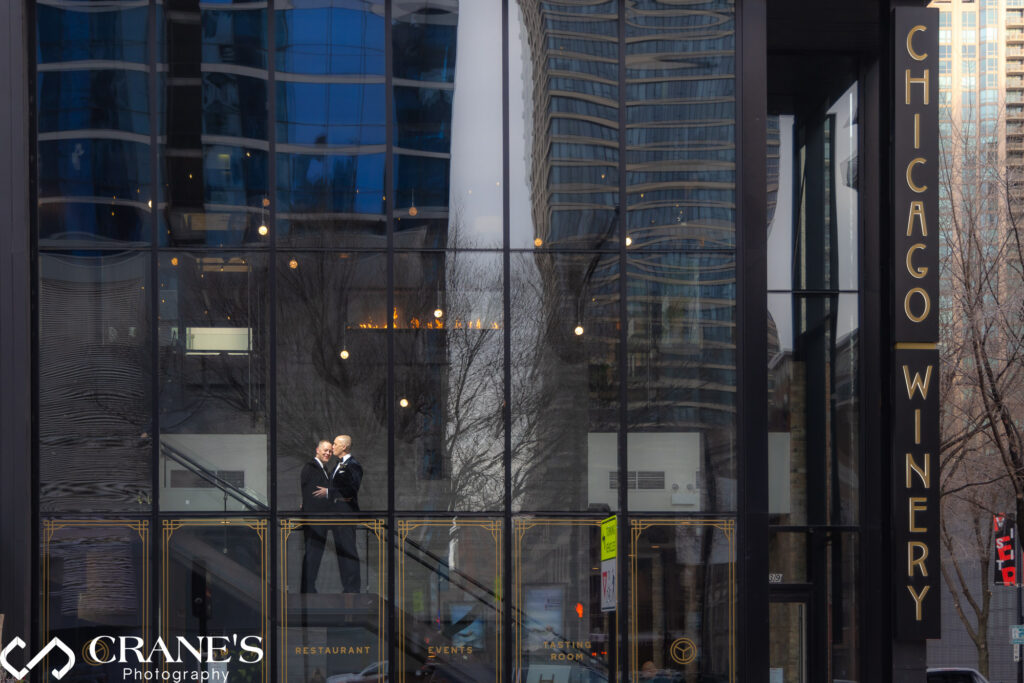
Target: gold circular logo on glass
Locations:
point(102, 650)
point(683, 651)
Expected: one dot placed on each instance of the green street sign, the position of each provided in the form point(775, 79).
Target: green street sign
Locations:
point(609, 538)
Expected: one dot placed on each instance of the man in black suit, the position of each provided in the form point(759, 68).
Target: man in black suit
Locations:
point(344, 494)
point(314, 480)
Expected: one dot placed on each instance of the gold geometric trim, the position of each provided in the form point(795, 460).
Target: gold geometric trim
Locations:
point(638, 526)
point(377, 526)
point(404, 528)
point(519, 528)
point(259, 526)
point(51, 526)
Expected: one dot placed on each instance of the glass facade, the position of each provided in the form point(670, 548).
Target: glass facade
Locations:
point(496, 245)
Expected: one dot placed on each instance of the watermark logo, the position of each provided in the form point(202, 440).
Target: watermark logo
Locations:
point(18, 643)
point(210, 655)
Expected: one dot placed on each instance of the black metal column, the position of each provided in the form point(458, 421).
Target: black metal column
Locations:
point(18, 473)
point(751, 342)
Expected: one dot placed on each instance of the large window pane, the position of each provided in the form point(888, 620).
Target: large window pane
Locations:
point(813, 233)
point(565, 381)
point(449, 388)
point(682, 381)
point(683, 599)
point(681, 134)
point(80, 31)
point(213, 117)
point(329, 627)
point(330, 124)
point(561, 632)
point(450, 615)
point(95, 395)
point(332, 324)
point(813, 407)
point(214, 360)
point(95, 582)
point(214, 583)
point(331, 37)
point(564, 178)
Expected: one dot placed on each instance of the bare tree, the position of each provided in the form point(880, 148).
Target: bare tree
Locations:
point(982, 451)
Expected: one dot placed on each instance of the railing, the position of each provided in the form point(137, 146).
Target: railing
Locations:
point(244, 496)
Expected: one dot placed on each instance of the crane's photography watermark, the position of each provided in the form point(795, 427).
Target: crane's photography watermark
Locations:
point(212, 655)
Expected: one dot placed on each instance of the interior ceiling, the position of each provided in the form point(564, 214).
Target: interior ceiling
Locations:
point(823, 26)
point(813, 47)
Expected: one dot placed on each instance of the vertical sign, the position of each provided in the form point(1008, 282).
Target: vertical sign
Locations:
point(915, 324)
point(1006, 558)
point(609, 553)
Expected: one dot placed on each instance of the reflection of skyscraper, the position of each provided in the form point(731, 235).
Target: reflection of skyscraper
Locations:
point(571, 66)
point(678, 220)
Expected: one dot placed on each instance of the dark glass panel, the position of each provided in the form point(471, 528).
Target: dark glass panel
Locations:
point(423, 36)
point(331, 124)
point(563, 634)
point(788, 557)
point(333, 630)
point(844, 551)
point(233, 106)
point(450, 616)
point(564, 181)
point(331, 37)
point(326, 200)
point(95, 397)
point(449, 437)
point(105, 99)
point(681, 144)
point(230, 34)
point(423, 119)
point(813, 407)
point(332, 323)
point(95, 582)
point(565, 383)
point(683, 611)
point(331, 114)
point(104, 169)
point(74, 225)
point(214, 357)
point(214, 583)
point(92, 31)
point(421, 200)
point(213, 116)
point(681, 381)
point(448, 125)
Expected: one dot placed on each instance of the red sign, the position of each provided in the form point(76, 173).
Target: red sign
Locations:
point(1006, 550)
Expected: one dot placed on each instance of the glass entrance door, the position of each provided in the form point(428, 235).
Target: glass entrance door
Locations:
point(787, 642)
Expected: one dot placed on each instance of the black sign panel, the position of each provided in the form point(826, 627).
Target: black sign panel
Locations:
point(1006, 546)
point(915, 476)
point(916, 175)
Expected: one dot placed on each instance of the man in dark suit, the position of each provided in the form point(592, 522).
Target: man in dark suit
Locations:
point(344, 493)
point(314, 480)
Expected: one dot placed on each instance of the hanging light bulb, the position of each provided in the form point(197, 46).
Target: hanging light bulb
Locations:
point(438, 313)
point(344, 354)
point(404, 403)
point(578, 331)
point(263, 230)
point(293, 264)
point(629, 240)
